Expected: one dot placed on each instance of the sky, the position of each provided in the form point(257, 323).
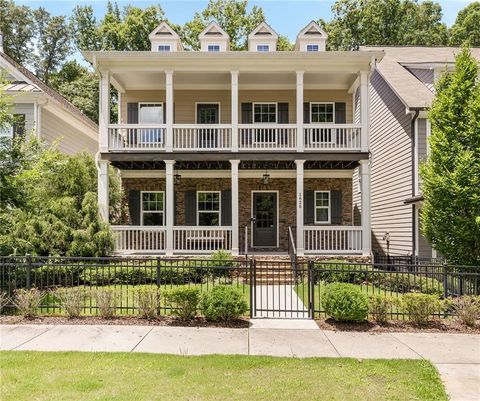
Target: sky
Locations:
point(287, 17)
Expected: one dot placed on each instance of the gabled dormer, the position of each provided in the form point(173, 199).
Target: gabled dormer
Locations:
point(214, 39)
point(164, 39)
point(312, 38)
point(262, 39)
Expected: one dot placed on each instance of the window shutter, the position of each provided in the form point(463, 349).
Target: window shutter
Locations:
point(306, 113)
point(282, 113)
point(134, 207)
point(309, 207)
point(18, 125)
point(226, 208)
point(190, 208)
point(132, 113)
point(247, 113)
point(175, 212)
point(340, 113)
point(337, 213)
point(164, 113)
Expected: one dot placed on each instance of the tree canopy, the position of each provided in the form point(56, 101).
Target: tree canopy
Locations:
point(451, 176)
point(467, 26)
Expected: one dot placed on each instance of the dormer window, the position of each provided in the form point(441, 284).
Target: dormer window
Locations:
point(213, 48)
point(313, 48)
point(263, 48)
point(164, 48)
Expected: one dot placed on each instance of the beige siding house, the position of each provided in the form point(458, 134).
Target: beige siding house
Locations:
point(401, 90)
point(44, 112)
point(249, 151)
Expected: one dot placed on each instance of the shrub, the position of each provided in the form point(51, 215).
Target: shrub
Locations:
point(420, 307)
point(223, 303)
point(345, 302)
point(341, 272)
point(105, 301)
point(72, 300)
point(407, 282)
point(28, 301)
point(221, 263)
point(467, 309)
point(4, 300)
point(379, 306)
point(111, 274)
point(183, 301)
point(148, 302)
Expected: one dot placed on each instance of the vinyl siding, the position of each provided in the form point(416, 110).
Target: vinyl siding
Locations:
point(424, 75)
point(391, 172)
point(70, 139)
point(424, 247)
point(28, 110)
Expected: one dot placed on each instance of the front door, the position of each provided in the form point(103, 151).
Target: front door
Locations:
point(264, 214)
point(209, 114)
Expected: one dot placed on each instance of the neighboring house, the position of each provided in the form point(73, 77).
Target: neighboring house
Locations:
point(40, 110)
point(245, 151)
point(401, 91)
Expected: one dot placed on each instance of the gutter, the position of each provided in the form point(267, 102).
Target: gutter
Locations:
point(413, 135)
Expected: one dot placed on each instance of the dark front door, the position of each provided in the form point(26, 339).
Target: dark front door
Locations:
point(207, 138)
point(264, 215)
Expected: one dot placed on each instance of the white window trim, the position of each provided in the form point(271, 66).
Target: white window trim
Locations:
point(312, 44)
point(316, 103)
point(152, 211)
point(164, 44)
point(276, 112)
point(219, 113)
point(262, 44)
point(329, 208)
point(214, 44)
point(211, 211)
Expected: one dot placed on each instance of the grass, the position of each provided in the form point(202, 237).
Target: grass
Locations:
point(120, 376)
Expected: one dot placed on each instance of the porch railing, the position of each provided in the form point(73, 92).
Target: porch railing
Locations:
point(139, 137)
point(267, 136)
point(202, 137)
point(333, 136)
point(139, 238)
point(202, 239)
point(333, 239)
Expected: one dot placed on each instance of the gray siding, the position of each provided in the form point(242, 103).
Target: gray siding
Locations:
point(424, 75)
point(422, 139)
point(424, 247)
point(391, 173)
point(28, 110)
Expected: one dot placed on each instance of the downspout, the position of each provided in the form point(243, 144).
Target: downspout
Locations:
point(414, 172)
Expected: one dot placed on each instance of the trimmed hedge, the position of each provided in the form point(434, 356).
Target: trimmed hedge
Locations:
point(345, 302)
point(223, 303)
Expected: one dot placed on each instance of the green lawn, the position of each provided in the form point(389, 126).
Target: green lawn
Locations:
point(123, 376)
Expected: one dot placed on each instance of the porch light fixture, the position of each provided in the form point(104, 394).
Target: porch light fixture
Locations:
point(177, 178)
point(265, 178)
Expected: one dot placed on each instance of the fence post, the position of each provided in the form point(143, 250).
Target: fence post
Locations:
point(158, 271)
point(252, 287)
point(28, 262)
point(445, 280)
point(311, 288)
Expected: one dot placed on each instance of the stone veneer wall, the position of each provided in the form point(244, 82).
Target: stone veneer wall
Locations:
point(286, 188)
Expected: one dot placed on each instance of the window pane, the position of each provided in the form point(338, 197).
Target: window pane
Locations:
point(152, 201)
point(163, 48)
point(208, 201)
point(153, 219)
point(312, 48)
point(208, 219)
point(213, 48)
point(151, 114)
point(321, 215)
point(265, 113)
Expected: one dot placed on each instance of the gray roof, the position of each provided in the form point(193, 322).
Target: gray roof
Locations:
point(413, 93)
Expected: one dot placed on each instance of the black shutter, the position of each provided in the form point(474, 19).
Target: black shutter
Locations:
point(340, 118)
point(306, 113)
point(282, 113)
point(190, 208)
point(18, 125)
point(174, 208)
point(134, 206)
point(226, 205)
point(337, 212)
point(164, 113)
point(309, 207)
point(247, 113)
point(132, 113)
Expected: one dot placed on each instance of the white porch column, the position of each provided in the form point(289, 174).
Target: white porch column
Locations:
point(104, 112)
point(235, 225)
point(366, 225)
point(299, 202)
point(102, 189)
point(170, 206)
point(234, 113)
point(364, 109)
point(300, 142)
point(169, 111)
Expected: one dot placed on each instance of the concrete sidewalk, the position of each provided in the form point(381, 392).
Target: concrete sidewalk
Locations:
point(457, 356)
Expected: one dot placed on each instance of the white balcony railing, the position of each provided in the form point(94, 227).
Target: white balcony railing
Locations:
point(267, 136)
point(202, 239)
point(202, 137)
point(139, 137)
point(332, 239)
point(139, 238)
point(333, 136)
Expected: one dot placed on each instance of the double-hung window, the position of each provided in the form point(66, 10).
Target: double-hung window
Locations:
point(322, 113)
point(312, 48)
point(208, 208)
point(17, 129)
point(213, 48)
point(265, 113)
point(322, 207)
point(150, 113)
point(153, 208)
point(263, 48)
point(164, 48)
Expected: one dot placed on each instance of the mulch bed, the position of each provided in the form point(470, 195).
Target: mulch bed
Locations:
point(434, 326)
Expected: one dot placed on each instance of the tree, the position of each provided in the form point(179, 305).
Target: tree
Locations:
point(84, 28)
point(283, 44)
point(231, 15)
point(451, 175)
point(467, 26)
point(384, 22)
point(18, 28)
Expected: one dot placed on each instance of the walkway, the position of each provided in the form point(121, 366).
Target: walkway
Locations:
point(457, 356)
point(279, 301)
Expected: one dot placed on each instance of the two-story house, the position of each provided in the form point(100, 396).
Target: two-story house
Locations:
point(402, 90)
point(40, 110)
point(240, 150)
